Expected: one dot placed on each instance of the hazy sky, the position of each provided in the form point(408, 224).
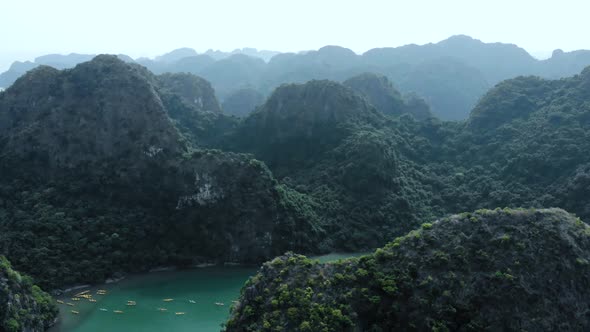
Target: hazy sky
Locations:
point(29, 28)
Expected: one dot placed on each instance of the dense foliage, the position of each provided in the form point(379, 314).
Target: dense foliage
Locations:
point(103, 167)
point(23, 305)
point(329, 143)
point(500, 270)
point(524, 145)
point(96, 179)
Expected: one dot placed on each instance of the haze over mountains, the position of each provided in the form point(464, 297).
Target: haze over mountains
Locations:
point(450, 75)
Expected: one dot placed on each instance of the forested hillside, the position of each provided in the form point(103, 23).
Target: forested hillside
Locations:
point(328, 142)
point(110, 167)
point(375, 176)
point(500, 270)
point(95, 168)
point(364, 169)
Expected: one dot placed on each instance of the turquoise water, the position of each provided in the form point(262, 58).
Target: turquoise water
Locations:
point(204, 286)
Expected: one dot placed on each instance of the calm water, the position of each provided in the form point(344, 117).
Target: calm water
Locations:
point(204, 286)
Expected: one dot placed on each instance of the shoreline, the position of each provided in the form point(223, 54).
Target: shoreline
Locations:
point(173, 268)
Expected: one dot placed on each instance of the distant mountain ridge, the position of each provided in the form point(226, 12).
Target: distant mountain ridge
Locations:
point(450, 75)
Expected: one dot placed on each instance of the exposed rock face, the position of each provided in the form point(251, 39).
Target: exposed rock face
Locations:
point(23, 306)
point(243, 213)
point(502, 270)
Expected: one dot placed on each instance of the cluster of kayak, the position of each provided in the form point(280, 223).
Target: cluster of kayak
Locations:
point(86, 295)
point(179, 313)
point(82, 295)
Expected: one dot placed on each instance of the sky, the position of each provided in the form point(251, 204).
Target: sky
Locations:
point(29, 28)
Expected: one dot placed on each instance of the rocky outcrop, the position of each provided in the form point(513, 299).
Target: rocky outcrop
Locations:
point(501, 270)
point(243, 212)
point(23, 306)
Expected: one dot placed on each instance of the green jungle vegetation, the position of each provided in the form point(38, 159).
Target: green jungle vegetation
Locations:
point(23, 305)
point(490, 270)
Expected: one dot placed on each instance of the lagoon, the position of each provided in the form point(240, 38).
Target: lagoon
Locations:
point(204, 286)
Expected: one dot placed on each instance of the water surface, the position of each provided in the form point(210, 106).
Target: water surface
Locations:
point(204, 286)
